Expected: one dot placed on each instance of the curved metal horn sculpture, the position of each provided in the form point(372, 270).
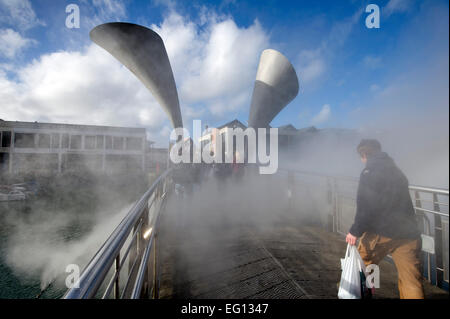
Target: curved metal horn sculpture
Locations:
point(276, 85)
point(142, 51)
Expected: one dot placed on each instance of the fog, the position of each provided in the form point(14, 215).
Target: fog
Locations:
point(222, 213)
point(38, 248)
point(65, 223)
point(409, 117)
point(44, 240)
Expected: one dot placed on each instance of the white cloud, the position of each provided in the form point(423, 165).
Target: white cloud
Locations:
point(395, 6)
point(165, 132)
point(18, 13)
point(103, 11)
point(214, 64)
point(311, 65)
point(223, 107)
point(88, 87)
point(109, 10)
point(341, 30)
point(12, 43)
point(110, 7)
point(322, 116)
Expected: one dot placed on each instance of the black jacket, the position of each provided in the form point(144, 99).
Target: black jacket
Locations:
point(383, 204)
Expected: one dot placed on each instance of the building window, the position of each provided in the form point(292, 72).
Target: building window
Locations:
point(40, 163)
point(89, 142)
point(65, 141)
point(55, 140)
point(24, 140)
point(134, 143)
point(4, 162)
point(75, 142)
point(108, 142)
point(99, 145)
point(118, 143)
point(44, 141)
point(6, 138)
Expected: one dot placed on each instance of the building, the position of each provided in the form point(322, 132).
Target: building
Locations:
point(32, 147)
point(210, 136)
point(157, 158)
point(291, 141)
point(288, 136)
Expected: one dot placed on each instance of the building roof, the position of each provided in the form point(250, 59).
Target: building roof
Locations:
point(71, 127)
point(288, 127)
point(233, 123)
point(309, 129)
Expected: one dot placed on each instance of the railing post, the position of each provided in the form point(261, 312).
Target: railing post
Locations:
point(330, 199)
point(134, 252)
point(291, 181)
point(155, 293)
point(144, 243)
point(438, 243)
point(116, 282)
point(426, 255)
point(336, 221)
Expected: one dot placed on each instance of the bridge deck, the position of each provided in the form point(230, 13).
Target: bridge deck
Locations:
point(209, 256)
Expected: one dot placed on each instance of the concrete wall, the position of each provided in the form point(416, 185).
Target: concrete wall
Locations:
point(55, 148)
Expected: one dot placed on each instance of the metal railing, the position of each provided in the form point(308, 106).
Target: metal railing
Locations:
point(131, 248)
point(431, 206)
point(429, 203)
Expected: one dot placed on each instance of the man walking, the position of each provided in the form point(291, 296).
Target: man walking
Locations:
point(385, 219)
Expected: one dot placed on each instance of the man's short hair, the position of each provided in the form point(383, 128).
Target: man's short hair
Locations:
point(368, 147)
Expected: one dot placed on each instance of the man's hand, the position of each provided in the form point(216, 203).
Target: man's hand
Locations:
point(351, 239)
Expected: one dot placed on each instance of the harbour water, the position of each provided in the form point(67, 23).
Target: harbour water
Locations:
point(61, 225)
point(16, 282)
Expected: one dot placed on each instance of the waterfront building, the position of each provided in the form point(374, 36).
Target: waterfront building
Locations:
point(33, 147)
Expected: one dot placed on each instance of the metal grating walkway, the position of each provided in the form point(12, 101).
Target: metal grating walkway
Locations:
point(233, 271)
point(214, 255)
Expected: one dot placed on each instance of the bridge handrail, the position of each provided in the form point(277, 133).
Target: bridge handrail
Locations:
point(433, 190)
point(425, 189)
point(96, 270)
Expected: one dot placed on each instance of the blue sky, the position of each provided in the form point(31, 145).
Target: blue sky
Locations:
point(350, 76)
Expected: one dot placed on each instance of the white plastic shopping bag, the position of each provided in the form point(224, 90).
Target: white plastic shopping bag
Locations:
point(352, 285)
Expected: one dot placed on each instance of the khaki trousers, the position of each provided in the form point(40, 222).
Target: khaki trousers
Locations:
point(406, 254)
